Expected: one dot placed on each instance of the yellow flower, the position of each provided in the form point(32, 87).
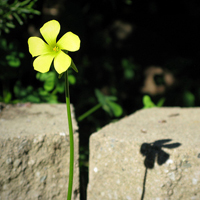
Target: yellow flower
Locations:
point(47, 52)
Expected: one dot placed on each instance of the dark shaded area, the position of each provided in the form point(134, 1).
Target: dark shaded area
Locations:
point(128, 49)
point(153, 152)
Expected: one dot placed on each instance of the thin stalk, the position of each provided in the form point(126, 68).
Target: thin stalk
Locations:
point(89, 112)
point(71, 138)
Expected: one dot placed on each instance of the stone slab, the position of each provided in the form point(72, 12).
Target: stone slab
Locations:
point(34, 152)
point(151, 154)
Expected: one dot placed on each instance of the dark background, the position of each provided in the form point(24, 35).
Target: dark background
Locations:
point(128, 49)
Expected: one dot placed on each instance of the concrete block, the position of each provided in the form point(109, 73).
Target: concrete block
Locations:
point(34, 152)
point(151, 154)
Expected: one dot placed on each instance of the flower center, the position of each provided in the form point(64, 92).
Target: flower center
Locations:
point(56, 49)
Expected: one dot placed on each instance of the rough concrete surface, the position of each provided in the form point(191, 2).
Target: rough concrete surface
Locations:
point(153, 154)
point(34, 152)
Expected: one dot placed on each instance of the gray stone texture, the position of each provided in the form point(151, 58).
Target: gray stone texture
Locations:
point(153, 154)
point(34, 152)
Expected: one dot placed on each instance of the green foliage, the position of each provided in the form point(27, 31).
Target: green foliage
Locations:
point(129, 68)
point(6, 96)
point(108, 104)
point(16, 11)
point(52, 82)
point(105, 102)
point(48, 93)
point(29, 94)
point(161, 102)
point(9, 54)
point(48, 79)
point(189, 99)
point(10, 59)
point(148, 103)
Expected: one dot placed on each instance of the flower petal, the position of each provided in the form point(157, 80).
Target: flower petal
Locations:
point(50, 32)
point(42, 63)
point(69, 41)
point(38, 47)
point(62, 62)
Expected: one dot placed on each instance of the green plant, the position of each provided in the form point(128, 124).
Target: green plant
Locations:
point(10, 60)
point(148, 103)
point(188, 99)
point(106, 103)
point(129, 68)
point(10, 54)
point(17, 11)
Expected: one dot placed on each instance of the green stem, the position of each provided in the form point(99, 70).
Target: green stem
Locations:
point(71, 162)
point(89, 112)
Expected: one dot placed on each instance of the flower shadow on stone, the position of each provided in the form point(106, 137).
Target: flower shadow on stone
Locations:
point(153, 151)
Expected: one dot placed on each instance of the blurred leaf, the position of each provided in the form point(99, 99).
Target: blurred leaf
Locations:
point(31, 4)
point(113, 109)
point(38, 75)
point(7, 97)
point(48, 79)
point(107, 109)
point(25, 2)
point(161, 102)
point(33, 99)
point(51, 99)
point(129, 68)
point(21, 55)
point(3, 43)
point(111, 98)
point(100, 97)
point(29, 89)
point(42, 92)
point(188, 99)
point(13, 61)
point(6, 30)
point(10, 25)
point(116, 109)
point(129, 73)
point(35, 12)
point(19, 90)
point(16, 88)
point(147, 102)
point(25, 10)
point(60, 86)
point(71, 79)
point(49, 83)
point(11, 46)
point(42, 76)
point(18, 18)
